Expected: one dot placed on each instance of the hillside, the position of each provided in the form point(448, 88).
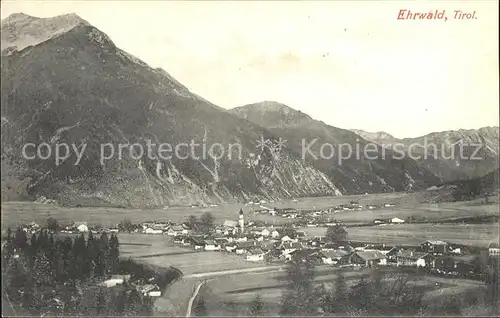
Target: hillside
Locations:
point(380, 137)
point(64, 81)
point(354, 175)
point(444, 155)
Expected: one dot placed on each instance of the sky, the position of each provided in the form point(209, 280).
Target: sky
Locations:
point(350, 64)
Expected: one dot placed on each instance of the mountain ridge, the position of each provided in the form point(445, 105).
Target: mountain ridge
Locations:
point(86, 90)
point(356, 175)
point(446, 144)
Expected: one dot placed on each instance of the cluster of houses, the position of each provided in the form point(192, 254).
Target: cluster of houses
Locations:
point(145, 289)
point(271, 245)
point(323, 217)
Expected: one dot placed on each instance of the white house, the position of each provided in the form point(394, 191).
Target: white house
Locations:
point(150, 290)
point(152, 231)
point(333, 256)
point(397, 220)
point(243, 247)
point(289, 247)
point(265, 232)
point(112, 282)
point(255, 255)
point(82, 228)
point(176, 230)
point(211, 245)
point(411, 258)
point(275, 234)
point(494, 249)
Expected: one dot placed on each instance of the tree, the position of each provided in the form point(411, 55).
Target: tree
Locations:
point(126, 225)
point(192, 222)
point(335, 302)
point(20, 241)
point(257, 306)
point(200, 310)
point(207, 223)
point(134, 303)
point(90, 255)
point(288, 230)
point(101, 305)
point(113, 254)
point(299, 296)
point(52, 224)
point(78, 258)
point(43, 273)
point(336, 233)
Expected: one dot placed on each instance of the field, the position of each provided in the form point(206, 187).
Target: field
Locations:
point(444, 211)
point(158, 250)
point(230, 295)
point(14, 213)
point(408, 234)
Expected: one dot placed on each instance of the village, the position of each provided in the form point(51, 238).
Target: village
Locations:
point(260, 241)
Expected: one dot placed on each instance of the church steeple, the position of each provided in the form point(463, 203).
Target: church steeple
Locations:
point(241, 221)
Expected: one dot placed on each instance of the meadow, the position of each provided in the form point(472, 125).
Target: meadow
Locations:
point(410, 234)
point(413, 204)
point(232, 294)
point(158, 250)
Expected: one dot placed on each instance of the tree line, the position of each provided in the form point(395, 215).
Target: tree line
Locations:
point(53, 275)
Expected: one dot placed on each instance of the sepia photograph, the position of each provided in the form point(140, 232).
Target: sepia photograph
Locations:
point(250, 158)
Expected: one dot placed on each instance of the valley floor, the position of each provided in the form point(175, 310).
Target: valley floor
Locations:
point(232, 282)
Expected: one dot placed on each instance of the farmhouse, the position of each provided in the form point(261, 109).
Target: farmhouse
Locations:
point(243, 247)
point(175, 230)
point(112, 282)
point(435, 247)
point(363, 258)
point(494, 249)
point(289, 247)
point(397, 220)
point(333, 256)
point(255, 255)
point(393, 252)
point(311, 255)
point(211, 245)
point(379, 221)
point(318, 241)
point(81, 227)
point(460, 264)
point(198, 244)
point(150, 230)
point(275, 234)
point(181, 239)
point(230, 246)
point(411, 258)
point(149, 290)
point(287, 238)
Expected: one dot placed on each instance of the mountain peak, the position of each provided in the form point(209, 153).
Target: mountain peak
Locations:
point(20, 30)
point(267, 113)
point(268, 106)
point(373, 136)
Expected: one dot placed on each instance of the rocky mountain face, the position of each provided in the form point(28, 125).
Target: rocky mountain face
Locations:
point(352, 170)
point(380, 137)
point(451, 155)
point(65, 82)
